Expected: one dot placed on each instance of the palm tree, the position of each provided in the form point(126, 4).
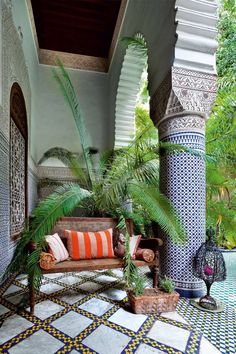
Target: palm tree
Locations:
point(129, 173)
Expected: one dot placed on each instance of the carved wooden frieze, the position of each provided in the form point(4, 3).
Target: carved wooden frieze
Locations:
point(17, 179)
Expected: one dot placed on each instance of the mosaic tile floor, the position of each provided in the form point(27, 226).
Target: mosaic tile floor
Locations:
point(88, 312)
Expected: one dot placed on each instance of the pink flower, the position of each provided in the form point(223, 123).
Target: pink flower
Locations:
point(208, 270)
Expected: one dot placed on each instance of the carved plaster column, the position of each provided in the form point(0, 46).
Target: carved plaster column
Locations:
point(179, 107)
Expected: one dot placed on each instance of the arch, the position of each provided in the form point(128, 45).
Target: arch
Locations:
point(135, 61)
point(18, 160)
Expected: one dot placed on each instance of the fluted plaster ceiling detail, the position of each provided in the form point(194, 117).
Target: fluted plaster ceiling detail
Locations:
point(196, 29)
point(129, 85)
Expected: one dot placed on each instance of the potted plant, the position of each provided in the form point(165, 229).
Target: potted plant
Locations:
point(119, 176)
point(146, 300)
point(154, 300)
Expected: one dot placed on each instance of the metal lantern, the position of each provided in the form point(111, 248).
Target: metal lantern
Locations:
point(209, 265)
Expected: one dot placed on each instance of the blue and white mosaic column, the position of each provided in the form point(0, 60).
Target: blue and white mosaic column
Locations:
point(182, 180)
point(179, 109)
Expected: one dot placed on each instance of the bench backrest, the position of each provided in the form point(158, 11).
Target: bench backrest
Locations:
point(91, 224)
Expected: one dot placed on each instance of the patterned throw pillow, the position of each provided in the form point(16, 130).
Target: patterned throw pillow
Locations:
point(57, 248)
point(88, 245)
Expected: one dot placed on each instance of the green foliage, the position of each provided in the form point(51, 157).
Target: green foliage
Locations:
point(137, 42)
point(159, 209)
point(71, 98)
point(167, 285)
point(226, 52)
point(133, 279)
point(144, 124)
point(221, 130)
point(121, 175)
point(60, 203)
point(230, 241)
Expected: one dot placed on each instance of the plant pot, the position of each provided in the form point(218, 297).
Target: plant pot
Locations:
point(153, 300)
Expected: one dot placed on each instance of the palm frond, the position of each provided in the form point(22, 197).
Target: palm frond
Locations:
point(159, 209)
point(68, 91)
point(68, 159)
point(56, 205)
point(44, 217)
point(137, 43)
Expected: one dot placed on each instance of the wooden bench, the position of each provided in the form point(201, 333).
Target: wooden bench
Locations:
point(96, 224)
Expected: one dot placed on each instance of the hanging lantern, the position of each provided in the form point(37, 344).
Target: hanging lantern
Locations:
point(209, 265)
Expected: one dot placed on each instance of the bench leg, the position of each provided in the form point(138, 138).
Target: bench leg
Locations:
point(155, 270)
point(31, 295)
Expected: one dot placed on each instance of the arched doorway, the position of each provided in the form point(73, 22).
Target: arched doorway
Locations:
point(18, 161)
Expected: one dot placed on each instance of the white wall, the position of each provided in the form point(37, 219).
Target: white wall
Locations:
point(155, 19)
point(54, 123)
point(51, 121)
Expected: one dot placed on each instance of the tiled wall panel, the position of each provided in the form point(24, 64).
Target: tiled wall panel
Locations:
point(32, 190)
point(4, 204)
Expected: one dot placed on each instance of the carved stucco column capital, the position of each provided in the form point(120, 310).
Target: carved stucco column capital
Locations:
point(183, 100)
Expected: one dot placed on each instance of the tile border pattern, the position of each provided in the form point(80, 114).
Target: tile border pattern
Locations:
point(76, 343)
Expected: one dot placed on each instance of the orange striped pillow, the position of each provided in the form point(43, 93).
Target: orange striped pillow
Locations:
point(88, 245)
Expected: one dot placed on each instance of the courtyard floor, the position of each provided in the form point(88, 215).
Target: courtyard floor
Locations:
point(88, 312)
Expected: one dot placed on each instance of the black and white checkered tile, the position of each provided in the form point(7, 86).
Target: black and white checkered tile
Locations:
point(88, 312)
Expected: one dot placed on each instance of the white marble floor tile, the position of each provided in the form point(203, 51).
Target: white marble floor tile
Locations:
point(105, 340)
point(38, 343)
point(74, 352)
point(207, 348)
point(46, 309)
point(72, 323)
point(90, 287)
point(174, 316)
point(114, 294)
point(21, 276)
point(96, 306)
point(85, 273)
point(3, 310)
point(12, 289)
point(128, 320)
point(106, 279)
point(170, 335)
point(119, 273)
point(50, 288)
point(146, 349)
point(70, 280)
point(24, 281)
point(53, 275)
point(71, 296)
point(12, 326)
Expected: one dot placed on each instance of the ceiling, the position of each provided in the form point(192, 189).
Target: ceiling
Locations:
point(83, 27)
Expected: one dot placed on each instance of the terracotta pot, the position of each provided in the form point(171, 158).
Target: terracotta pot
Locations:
point(153, 300)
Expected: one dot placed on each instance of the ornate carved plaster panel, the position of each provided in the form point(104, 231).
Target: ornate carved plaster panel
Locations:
point(14, 67)
point(54, 172)
point(75, 61)
point(182, 122)
point(183, 90)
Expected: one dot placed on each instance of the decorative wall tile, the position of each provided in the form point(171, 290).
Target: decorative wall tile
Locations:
point(183, 181)
point(32, 190)
point(14, 69)
point(4, 202)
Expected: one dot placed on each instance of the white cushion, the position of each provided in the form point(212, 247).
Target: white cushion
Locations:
point(57, 248)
